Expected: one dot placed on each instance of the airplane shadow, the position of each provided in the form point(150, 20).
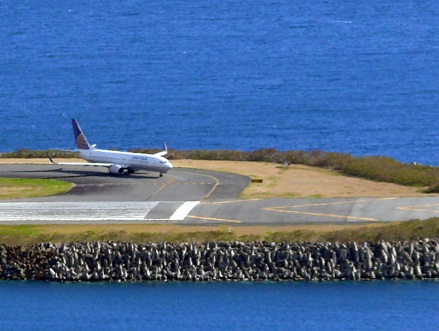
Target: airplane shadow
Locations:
point(78, 173)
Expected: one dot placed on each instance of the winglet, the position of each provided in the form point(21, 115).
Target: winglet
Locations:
point(80, 140)
point(51, 160)
point(164, 152)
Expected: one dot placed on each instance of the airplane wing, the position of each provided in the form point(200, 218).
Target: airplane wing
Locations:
point(164, 152)
point(106, 165)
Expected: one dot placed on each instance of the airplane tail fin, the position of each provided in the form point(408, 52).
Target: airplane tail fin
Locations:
point(80, 140)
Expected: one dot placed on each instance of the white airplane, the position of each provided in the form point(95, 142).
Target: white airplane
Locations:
point(117, 163)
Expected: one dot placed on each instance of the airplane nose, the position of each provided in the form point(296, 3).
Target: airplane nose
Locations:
point(169, 164)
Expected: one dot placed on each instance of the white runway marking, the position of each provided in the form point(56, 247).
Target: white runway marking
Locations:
point(60, 212)
point(181, 213)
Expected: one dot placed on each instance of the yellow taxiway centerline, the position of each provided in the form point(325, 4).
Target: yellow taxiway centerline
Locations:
point(214, 219)
point(282, 210)
point(419, 208)
point(321, 215)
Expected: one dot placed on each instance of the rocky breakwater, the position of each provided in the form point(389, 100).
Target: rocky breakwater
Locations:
point(216, 261)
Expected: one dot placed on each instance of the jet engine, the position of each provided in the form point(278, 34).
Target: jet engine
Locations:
point(116, 169)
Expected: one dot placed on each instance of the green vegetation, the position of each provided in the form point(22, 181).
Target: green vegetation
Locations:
point(14, 188)
point(432, 189)
point(31, 154)
point(397, 231)
point(30, 234)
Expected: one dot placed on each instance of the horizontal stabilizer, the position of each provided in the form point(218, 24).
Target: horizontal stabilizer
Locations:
point(64, 150)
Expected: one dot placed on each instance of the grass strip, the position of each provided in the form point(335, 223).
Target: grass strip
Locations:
point(15, 188)
point(140, 233)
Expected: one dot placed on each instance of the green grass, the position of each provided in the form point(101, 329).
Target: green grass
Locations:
point(16, 188)
point(315, 196)
point(397, 231)
point(31, 234)
point(289, 195)
point(401, 231)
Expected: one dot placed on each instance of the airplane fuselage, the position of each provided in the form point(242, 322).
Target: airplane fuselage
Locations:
point(127, 160)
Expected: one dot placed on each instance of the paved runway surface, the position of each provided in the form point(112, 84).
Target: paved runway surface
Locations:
point(188, 196)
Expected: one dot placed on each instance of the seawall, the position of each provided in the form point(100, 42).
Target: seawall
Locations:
point(220, 261)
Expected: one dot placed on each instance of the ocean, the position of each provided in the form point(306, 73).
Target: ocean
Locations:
point(358, 77)
point(376, 305)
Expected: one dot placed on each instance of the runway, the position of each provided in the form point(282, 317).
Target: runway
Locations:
point(189, 197)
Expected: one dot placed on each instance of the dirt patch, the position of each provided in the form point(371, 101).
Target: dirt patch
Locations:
point(301, 181)
point(14, 190)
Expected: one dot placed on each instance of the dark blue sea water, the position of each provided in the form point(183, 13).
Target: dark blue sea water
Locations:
point(220, 306)
point(348, 76)
point(359, 77)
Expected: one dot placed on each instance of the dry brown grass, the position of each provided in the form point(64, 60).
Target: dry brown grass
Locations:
point(300, 181)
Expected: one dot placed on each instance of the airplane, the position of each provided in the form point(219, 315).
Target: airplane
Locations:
point(118, 163)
